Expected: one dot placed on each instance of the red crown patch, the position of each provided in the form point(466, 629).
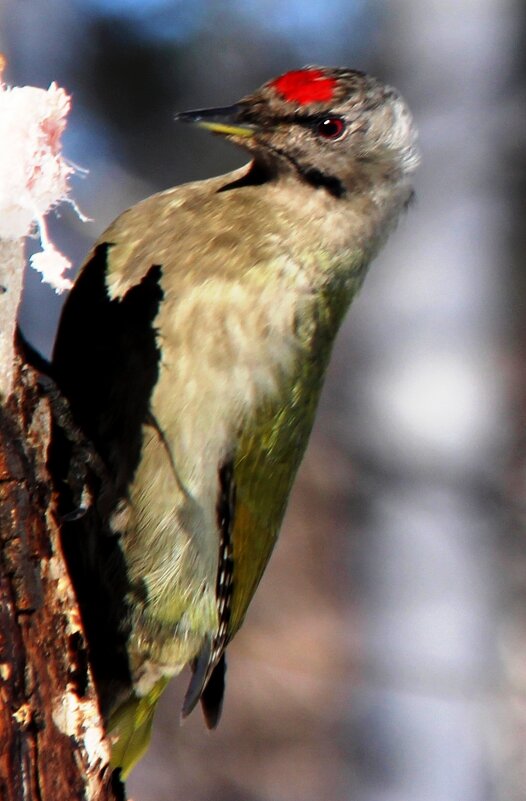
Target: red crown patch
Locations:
point(305, 86)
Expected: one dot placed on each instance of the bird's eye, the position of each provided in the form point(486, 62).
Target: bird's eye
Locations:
point(330, 128)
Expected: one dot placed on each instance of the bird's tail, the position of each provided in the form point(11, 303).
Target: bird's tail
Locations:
point(129, 728)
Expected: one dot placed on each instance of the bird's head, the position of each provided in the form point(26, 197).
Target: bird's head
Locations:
point(330, 126)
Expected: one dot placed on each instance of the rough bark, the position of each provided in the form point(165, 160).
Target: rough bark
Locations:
point(52, 742)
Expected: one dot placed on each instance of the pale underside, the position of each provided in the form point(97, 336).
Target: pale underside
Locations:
point(245, 330)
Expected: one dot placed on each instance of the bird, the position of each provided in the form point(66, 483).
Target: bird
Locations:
point(192, 350)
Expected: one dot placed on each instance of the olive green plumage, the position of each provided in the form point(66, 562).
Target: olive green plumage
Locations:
point(193, 349)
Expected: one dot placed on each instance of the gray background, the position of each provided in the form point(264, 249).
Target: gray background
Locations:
point(384, 657)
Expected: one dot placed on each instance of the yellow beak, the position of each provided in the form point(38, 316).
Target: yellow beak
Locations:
point(226, 130)
point(223, 121)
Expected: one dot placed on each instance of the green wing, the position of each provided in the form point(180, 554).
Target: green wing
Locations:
point(267, 458)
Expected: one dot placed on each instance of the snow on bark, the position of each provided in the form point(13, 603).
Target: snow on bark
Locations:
point(33, 180)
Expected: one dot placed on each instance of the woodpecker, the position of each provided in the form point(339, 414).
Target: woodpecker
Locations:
point(192, 350)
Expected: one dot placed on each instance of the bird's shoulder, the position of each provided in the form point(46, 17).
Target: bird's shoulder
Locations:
point(193, 230)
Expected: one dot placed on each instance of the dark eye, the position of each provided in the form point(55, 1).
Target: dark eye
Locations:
point(330, 128)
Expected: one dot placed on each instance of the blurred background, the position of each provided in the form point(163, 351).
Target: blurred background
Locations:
point(384, 657)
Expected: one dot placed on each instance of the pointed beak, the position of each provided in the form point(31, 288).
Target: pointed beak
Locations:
point(219, 120)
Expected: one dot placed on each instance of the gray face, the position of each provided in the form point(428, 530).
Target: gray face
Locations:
point(337, 123)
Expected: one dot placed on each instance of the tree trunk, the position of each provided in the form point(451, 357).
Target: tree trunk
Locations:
point(52, 741)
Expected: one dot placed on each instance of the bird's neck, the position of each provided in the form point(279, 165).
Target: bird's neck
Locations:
point(346, 232)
